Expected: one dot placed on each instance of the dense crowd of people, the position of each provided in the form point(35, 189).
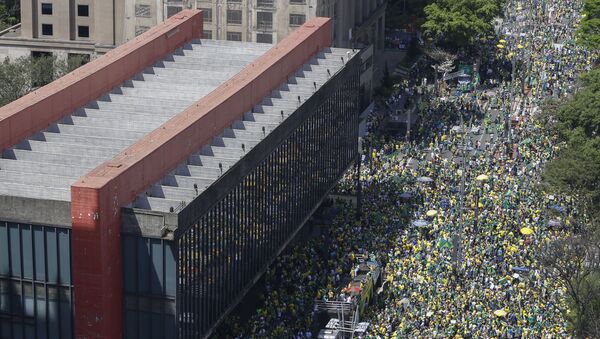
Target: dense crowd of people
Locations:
point(456, 217)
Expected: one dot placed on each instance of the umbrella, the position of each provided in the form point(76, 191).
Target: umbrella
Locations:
point(519, 46)
point(526, 231)
point(554, 223)
point(557, 208)
point(500, 46)
point(502, 41)
point(406, 195)
point(431, 213)
point(420, 223)
point(482, 177)
point(500, 313)
point(424, 179)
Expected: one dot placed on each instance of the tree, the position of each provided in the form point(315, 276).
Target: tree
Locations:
point(577, 167)
point(575, 262)
point(457, 23)
point(19, 77)
point(9, 14)
point(588, 33)
point(576, 172)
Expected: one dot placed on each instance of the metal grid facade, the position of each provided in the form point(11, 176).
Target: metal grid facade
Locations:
point(222, 250)
point(36, 292)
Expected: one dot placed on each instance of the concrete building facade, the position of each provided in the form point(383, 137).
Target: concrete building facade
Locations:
point(356, 22)
point(93, 27)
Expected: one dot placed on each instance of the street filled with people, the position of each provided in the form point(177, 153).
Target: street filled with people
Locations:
point(453, 208)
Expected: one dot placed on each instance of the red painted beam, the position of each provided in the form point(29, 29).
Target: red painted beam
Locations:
point(97, 198)
point(96, 235)
point(38, 109)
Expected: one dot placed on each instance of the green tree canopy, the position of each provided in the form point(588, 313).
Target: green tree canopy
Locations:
point(456, 23)
point(577, 167)
point(588, 33)
point(20, 76)
point(8, 15)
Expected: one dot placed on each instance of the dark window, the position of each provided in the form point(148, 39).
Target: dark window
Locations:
point(83, 31)
point(140, 29)
point(36, 305)
point(172, 10)
point(143, 11)
point(265, 38)
point(83, 10)
point(264, 3)
point(207, 34)
point(264, 20)
point(234, 17)
point(47, 9)
point(47, 29)
point(234, 0)
point(207, 14)
point(297, 1)
point(297, 19)
point(234, 36)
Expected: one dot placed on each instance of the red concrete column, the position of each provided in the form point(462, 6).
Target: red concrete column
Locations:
point(97, 268)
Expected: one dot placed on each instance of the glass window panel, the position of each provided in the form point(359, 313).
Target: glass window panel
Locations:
point(169, 327)
point(65, 313)
point(157, 326)
point(51, 255)
point(16, 302)
point(170, 270)
point(143, 266)
point(65, 319)
point(156, 271)
point(83, 10)
point(29, 331)
point(47, 29)
point(40, 253)
point(40, 318)
point(15, 250)
point(46, 9)
point(130, 324)
point(28, 300)
point(53, 319)
point(27, 251)
point(129, 267)
point(4, 248)
point(4, 329)
point(4, 296)
point(145, 325)
point(65, 256)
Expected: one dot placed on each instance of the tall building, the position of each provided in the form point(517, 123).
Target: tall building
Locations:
point(143, 194)
point(356, 22)
point(93, 27)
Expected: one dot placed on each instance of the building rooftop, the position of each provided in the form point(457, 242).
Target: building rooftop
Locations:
point(45, 165)
point(203, 168)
